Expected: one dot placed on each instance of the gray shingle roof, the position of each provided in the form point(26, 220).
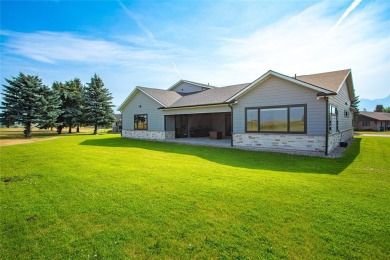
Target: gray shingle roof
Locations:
point(166, 97)
point(381, 116)
point(191, 82)
point(330, 81)
point(210, 96)
point(327, 80)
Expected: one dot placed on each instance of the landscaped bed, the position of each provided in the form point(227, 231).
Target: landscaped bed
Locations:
point(85, 196)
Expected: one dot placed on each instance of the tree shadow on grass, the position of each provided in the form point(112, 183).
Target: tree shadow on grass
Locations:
point(241, 158)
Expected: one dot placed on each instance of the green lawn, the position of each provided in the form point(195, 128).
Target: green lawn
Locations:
point(372, 132)
point(17, 133)
point(84, 196)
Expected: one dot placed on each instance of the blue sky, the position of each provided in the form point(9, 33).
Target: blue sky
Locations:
point(157, 43)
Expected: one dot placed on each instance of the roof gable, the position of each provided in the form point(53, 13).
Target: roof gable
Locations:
point(328, 80)
point(271, 73)
point(209, 97)
point(162, 97)
point(201, 85)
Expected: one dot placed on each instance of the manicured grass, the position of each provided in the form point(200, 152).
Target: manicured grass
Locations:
point(17, 133)
point(84, 196)
point(372, 132)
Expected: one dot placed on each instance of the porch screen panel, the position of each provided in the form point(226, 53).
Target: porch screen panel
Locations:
point(273, 119)
point(252, 120)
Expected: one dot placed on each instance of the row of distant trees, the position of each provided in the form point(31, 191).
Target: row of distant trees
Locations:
point(378, 108)
point(27, 101)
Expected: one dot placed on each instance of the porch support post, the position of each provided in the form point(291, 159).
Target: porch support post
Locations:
point(231, 124)
point(327, 125)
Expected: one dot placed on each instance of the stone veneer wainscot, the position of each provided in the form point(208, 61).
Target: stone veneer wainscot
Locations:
point(148, 135)
point(336, 138)
point(281, 141)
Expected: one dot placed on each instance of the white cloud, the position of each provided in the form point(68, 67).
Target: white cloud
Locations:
point(300, 44)
point(145, 30)
point(295, 44)
point(57, 47)
point(354, 4)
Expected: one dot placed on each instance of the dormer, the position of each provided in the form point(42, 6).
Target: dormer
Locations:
point(188, 87)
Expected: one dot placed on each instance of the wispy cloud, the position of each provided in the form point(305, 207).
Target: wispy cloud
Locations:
point(138, 22)
point(354, 4)
point(55, 47)
point(145, 30)
point(300, 44)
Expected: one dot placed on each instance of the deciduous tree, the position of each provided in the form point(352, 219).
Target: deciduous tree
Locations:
point(378, 108)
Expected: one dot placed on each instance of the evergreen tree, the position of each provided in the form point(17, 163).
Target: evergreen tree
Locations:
point(50, 109)
point(355, 108)
point(71, 94)
point(355, 103)
point(97, 104)
point(27, 101)
point(59, 88)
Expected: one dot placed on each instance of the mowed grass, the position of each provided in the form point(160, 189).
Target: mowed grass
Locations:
point(84, 196)
point(17, 132)
point(372, 132)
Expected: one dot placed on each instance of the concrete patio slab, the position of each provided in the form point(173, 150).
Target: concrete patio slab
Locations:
point(204, 141)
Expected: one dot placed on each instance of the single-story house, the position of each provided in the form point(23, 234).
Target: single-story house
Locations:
point(377, 121)
point(309, 112)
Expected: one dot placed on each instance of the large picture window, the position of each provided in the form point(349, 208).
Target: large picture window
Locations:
point(297, 119)
point(280, 119)
point(252, 120)
point(273, 119)
point(141, 122)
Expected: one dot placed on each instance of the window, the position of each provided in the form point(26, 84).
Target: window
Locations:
point(333, 119)
point(365, 123)
point(281, 119)
point(141, 122)
point(297, 119)
point(273, 119)
point(346, 113)
point(252, 120)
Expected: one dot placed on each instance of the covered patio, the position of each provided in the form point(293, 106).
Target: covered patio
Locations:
point(199, 126)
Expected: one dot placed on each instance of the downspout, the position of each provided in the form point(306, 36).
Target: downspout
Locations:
point(121, 124)
point(327, 125)
point(231, 124)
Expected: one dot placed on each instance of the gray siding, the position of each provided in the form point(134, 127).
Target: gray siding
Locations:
point(187, 88)
point(277, 92)
point(339, 101)
point(149, 107)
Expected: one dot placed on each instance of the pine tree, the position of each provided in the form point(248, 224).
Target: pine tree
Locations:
point(27, 101)
point(50, 109)
point(71, 94)
point(97, 104)
point(355, 109)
